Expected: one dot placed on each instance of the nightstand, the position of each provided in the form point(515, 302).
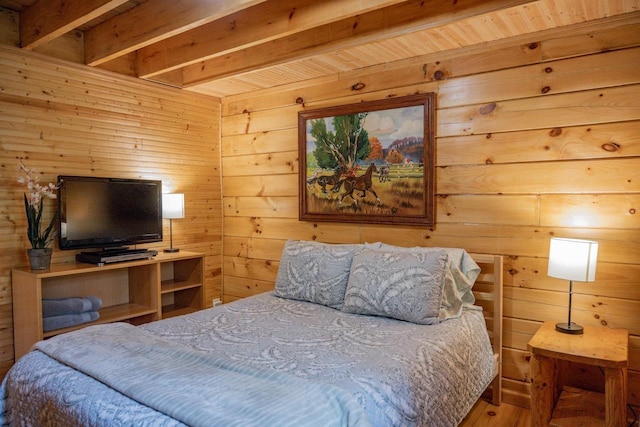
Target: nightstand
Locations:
point(598, 346)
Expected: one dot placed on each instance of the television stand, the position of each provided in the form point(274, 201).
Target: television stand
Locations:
point(115, 255)
point(135, 292)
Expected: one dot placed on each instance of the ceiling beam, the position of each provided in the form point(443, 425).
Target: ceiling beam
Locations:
point(393, 21)
point(46, 20)
point(249, 27)
point(150, 22)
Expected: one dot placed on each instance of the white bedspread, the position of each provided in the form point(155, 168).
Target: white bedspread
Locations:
point(400, 374)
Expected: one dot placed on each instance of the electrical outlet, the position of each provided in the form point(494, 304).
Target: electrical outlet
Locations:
point(216, 302)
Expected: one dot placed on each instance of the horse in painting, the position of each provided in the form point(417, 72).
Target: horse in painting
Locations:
point(324, 180)
point(383, 172)
point(360, 183)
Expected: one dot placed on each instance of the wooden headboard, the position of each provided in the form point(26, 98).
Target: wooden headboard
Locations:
point(488, 293)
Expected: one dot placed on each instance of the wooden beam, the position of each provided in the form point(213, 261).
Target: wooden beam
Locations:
point(171, 78)
point(393, 21)
point(249, 27)
point(151, 22)
point(46, 20)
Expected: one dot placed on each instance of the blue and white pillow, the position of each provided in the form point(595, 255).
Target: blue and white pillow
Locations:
point(462, 272)
point(315, 272)
point(403, 285)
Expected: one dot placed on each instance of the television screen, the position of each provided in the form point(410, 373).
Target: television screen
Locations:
point(108, 212)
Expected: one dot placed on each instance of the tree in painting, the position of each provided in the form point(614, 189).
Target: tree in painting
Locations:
point(394, 157)
point(376, 149)
point(345, 145)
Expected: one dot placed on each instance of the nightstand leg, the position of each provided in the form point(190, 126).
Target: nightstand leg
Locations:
point(542, 390)
point(615, 397)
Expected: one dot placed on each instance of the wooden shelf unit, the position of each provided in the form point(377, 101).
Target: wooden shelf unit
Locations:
point(131, 291)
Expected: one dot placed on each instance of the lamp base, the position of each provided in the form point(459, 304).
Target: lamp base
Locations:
point(171, 250)
point(569, 328)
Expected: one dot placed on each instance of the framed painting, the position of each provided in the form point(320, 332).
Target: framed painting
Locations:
point(371, 162)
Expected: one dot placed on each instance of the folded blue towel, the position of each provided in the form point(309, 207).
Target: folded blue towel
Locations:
point(67, 320)
point(73, 305)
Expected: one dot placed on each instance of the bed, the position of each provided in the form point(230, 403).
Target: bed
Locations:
point(353, 335)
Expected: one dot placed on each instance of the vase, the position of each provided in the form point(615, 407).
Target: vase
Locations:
point(40, 259)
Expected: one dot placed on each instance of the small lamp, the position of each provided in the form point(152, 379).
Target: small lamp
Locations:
point(572, 259)
point(172, 208)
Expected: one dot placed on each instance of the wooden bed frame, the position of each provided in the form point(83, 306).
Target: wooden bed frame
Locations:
point(488, 292)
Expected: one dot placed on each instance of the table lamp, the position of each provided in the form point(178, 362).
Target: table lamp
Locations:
point(172, 208)
point(572, 259)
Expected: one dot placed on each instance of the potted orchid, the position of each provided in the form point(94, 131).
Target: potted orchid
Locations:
point(40, 253)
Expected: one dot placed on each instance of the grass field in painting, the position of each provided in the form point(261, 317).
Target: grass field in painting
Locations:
point(401, 195)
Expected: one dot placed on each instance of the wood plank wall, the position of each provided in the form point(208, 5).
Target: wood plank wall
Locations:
point(535, 139)
point(62, 118)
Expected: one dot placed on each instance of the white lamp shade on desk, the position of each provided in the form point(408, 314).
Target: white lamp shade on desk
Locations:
point(173, 206)
point(573, 259)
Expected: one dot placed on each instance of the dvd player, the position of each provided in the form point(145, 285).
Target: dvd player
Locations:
point(101, 258)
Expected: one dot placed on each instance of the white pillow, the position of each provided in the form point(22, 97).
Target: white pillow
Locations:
point(401, 285)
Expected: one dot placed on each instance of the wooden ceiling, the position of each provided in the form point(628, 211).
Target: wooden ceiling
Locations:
point(230, 47)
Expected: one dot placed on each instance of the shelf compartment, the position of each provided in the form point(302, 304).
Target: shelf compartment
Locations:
point(116, 313)
point(577, 407)
point(181, 287)
point(182, 301)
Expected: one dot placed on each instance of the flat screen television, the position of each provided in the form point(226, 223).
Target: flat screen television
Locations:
point(108, 212)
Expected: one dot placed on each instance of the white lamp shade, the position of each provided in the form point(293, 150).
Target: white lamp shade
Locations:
point(573, 259)
point(173, 206)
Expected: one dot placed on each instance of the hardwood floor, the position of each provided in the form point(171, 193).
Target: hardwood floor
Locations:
point(485, 414)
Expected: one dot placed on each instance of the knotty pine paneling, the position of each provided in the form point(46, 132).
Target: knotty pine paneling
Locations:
point(589, 176)
point(62, 118)
point(594, 141)
point(534, 139)
point(607, 105)
point(552, 77)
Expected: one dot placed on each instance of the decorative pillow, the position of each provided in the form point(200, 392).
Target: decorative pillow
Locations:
point(462, 272)
point(401, 285)
point(315, 272)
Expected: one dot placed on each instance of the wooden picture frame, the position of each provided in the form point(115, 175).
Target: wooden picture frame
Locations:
point(371, 162)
